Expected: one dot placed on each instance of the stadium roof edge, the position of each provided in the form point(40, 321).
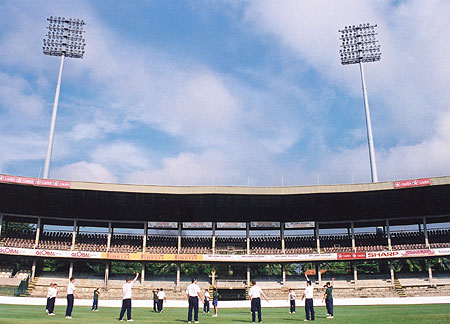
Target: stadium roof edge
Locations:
point(242, 190)
point(238, 190)
point(405, 199)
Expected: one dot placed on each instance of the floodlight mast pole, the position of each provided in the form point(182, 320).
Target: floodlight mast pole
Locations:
point(359, 46)
point(48, 156)
point(373, 163)
point(65, 39)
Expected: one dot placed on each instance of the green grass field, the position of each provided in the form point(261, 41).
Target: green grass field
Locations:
point(410, 314)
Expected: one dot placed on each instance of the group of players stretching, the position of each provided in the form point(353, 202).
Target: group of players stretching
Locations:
point(194, 296)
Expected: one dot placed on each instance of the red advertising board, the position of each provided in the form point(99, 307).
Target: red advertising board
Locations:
point(412, 183)
point(225, 258)
point(383, 254)
point(34, 181)
point(351, 255)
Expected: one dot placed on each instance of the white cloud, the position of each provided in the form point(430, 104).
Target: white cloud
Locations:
point(19, 98)
point(191, 169)
point(199, 106)
point(407, 88)
point(310, 28)
point(428, 158)
point(84, 171)
point(95, 124)
point(23, 146)
point(121, 156)
point(425, 159)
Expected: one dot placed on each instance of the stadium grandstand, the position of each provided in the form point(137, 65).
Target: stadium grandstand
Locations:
point(386, 239)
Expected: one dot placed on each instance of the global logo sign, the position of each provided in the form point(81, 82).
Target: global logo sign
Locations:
point(80, 254)
point(45, 253)
point(9, 251)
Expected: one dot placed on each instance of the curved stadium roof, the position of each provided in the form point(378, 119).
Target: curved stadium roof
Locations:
point(136, 203)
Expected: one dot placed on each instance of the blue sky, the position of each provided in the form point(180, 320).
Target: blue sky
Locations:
point(226, 92)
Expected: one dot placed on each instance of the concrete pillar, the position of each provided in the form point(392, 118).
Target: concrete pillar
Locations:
point(213, 276)
point(355, 273)
point(388, 232)
point(1, 223)
point(283, 245)
point(33, 269)
point(430, 271)
point(248, 276)
point(180, 224)
point(391, 270)
point(74, 235)
point(319, 274)
point(178, 274)
point(353, 235)
point(283, 272)
point(213, 247)
point(107, 273)
point(110, 233)
point(143, 273)
point(144, 238)
point(71, 269)
point(425, 232)
point(38, 232)
point(316, 234)
point(247, 235)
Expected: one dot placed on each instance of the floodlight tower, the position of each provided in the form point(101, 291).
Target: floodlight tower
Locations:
point(65, 39)
point(359, 45)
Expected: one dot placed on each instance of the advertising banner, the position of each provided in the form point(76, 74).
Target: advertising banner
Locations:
point(351, 255)
point(265, 224)
point(299, 225)
point(151, 257)
point(34, 181)
point(191, 225)
point(51, 253)
point(412, 183)
point(402, 254)
point(442, 251)
point(231, 225)
point(269, 257)
point(224, 257)
point(169, 225)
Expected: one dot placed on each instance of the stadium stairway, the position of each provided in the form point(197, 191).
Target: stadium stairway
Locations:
point(30, 288)
point(399, 288)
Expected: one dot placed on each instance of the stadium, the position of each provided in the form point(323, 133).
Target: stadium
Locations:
point(386, 239)
point(173, 95)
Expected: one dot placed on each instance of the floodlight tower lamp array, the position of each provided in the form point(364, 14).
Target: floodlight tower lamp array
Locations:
point(359, 45)
point(65, 39)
